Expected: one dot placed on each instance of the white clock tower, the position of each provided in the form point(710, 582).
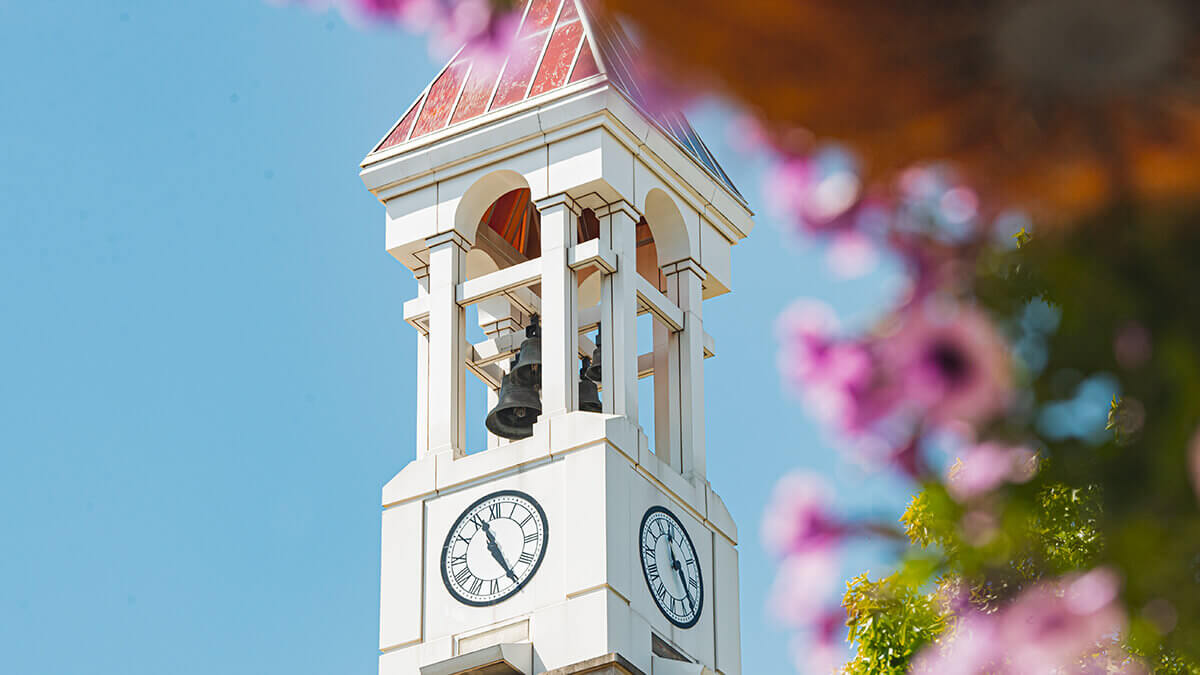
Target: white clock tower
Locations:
point(545, 192)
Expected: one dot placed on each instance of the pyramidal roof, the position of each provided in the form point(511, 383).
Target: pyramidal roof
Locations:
point(558, 43)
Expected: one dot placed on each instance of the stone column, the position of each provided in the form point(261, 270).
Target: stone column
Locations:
point(684, 279)
point(618, 315)
point(447, 339)
point(560, 332)
point(422, 276)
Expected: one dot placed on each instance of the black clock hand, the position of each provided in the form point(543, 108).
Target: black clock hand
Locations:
point(494, 549)
point(678, 569)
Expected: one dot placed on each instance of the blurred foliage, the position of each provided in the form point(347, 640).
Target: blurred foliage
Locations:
point(1064, 526)
point(1125, 284)
point(890, 621)
point(1123, 292)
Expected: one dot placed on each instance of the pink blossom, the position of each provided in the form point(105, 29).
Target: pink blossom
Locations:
point(979, 527)
point(802, 587)
point(384, 8)
point(798, 519)
point(986, 466)
point(450, 24)
point(1050, 628)
point(817, 195)
point(819, 658)
point(488, 35)
point(932, 265)
point(907, 457)
point(838, 377)
point(825, 651)
point(970, 649)
point(959, 204)
point(745, 134)
point(953, 366)
point(1052, 625)
point(851, 254)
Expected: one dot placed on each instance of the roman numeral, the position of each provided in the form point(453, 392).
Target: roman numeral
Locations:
point(648, 550)
point(652, 570)
point(476, 585)
point(527, 518)
point(661, 593)
point(462, 575)
point(493, 511)
point(529, 538)
point(694, 583)
point(494, 587)
point(526, 558)
point(458, 560)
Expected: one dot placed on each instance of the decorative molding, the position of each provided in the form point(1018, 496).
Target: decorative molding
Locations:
point(560, 198)
point(688, 264)
point(619, 207)
point(448, 237)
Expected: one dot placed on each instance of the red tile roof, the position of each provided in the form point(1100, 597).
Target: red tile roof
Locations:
point(557, 43)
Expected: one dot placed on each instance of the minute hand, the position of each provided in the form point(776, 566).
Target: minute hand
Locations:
point(494, 549)
point(679, 570)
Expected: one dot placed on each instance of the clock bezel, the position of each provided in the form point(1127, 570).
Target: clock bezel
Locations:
point(541, 513)
point(646, 575)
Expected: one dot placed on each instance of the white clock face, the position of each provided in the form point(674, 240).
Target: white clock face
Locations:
point(494, 548)
point(671, 567)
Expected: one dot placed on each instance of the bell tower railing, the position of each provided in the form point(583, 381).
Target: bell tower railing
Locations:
point(444, 355)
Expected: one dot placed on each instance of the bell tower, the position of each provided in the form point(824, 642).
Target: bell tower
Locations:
point(542, 190)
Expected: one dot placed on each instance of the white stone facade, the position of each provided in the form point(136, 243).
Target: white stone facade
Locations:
point(585, 147)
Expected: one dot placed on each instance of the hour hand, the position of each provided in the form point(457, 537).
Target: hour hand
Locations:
point(495, 551)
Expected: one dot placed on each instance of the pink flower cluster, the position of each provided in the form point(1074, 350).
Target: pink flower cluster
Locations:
point(823, 195)
point(820, 194)
point(450, 24)
point(800, 527)
point(987, 466)
point(937, 367)
point(1053, 627)
point(934, 365)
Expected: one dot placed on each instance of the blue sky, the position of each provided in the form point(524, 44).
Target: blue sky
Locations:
point(205, 378)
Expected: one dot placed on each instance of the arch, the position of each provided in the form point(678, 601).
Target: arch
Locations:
point(477, 198)
point(667, 226)
point(479, 262)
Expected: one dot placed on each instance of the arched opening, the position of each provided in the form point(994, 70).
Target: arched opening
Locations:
point(665, 221)
point(509, 233)
point(510, 230)
point(647, 256)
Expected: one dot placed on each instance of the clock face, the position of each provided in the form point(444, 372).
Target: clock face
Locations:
point(494, 548)
point(671, 567)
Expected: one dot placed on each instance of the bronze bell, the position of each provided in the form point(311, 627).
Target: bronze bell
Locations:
point(528, 369)
point(516, 411)
point(593, 372)
point(589, 394)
